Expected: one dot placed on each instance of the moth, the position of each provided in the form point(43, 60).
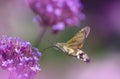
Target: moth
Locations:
point(74, 45)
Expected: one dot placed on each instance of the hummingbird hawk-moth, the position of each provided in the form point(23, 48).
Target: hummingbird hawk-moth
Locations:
point(74, 45)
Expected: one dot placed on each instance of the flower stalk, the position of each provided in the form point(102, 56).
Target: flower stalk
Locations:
point(40, 36)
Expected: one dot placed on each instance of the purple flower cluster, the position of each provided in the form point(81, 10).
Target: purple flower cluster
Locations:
point(18, 56)
point(57, 13)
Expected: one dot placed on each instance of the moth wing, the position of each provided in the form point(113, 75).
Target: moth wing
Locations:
point(78, 40)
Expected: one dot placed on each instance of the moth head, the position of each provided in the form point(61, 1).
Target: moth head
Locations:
point(59, 45)
point(83, 56)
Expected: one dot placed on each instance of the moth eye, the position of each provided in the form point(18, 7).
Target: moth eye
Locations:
point(56, 48)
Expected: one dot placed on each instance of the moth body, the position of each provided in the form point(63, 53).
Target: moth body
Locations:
point(79, 54)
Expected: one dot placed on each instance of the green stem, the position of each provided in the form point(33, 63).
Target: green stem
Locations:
point(40, 36)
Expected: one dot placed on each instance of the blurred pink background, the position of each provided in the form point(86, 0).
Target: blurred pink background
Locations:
point(102, 45)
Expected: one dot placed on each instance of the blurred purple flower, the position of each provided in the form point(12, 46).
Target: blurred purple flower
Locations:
point(57, 13)
point(19, 58)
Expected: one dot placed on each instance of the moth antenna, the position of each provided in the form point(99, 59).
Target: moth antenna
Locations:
point(48, 48)
point(51, 42)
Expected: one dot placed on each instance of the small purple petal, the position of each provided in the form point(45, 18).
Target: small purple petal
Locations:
point(59, 26)
point(37, 5)
point(49, 8)
point(57, 12)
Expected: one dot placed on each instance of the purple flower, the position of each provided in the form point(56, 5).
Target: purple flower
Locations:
point(57, 13)
point(18, 56)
